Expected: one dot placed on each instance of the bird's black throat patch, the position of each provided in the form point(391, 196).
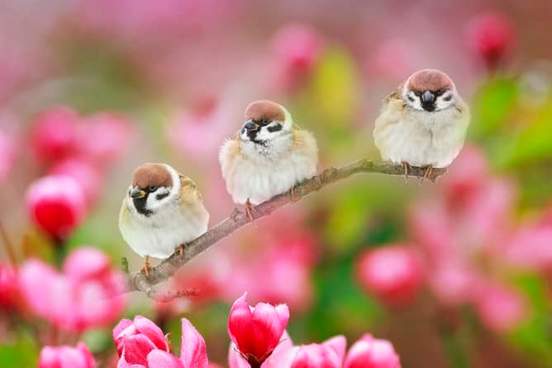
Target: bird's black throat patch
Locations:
point(140, 205)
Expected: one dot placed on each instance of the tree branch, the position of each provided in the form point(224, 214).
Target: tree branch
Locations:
point(138, 281)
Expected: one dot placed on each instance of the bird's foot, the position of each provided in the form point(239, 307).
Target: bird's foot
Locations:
point(428, 174)
point(249, 210)
point(406, 169)
point(181, 249)
point(292, 194)
point(147, 267)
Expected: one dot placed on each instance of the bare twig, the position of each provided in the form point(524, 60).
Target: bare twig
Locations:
point(8, 246)
point(140, 282)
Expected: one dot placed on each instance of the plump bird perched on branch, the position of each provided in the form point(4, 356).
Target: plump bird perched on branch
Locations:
point(269, 155)
point(423, 123)
point(161, 211)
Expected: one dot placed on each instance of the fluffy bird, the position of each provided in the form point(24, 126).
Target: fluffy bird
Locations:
point(423, 123)
point(161, 211)
point(269, 155)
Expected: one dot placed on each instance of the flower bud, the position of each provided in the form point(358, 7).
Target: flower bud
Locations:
point(56, 204)
point(54, 135)
point(369, 352)
point(256, 331)
point(491, 36)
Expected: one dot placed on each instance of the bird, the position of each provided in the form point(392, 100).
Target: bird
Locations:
point(422, 123)
point(268, 156)
point(161, 211)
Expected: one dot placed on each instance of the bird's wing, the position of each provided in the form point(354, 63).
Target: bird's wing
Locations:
point(188, 189)
point(393, 97)
point(228, 155)
point(304, 141)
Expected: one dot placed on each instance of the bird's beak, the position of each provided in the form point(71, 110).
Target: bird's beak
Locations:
point(428, 97)
point(250, 126)
point(137, 193)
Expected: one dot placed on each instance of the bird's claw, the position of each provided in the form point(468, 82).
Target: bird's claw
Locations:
point(292, 195)
point(406, 168)
point(249, 211)
point(181, 249)
point(147, 267)
point(428, 174)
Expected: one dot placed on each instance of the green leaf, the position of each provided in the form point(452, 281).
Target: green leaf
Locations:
point(492, 104)
point(23, 353)
point(533, 143)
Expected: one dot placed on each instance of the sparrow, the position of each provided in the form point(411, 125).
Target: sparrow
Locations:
point(161, 211)
point(269, 155)
point(423, 123)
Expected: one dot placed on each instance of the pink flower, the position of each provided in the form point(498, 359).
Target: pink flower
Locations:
point(296, 48)
point(88, 294)
point(146, 329)
point(112, 135)
point(66, 357)
point(140, 343)
point(492, 37)
point(393, 273)
point(256, 331)
point(329, 354)
point(530, 246)
point(9, 288)
point(369, 352)
point(56, 204)
point(54, 134)
point(88, 177)
point(281, 357)
point(500, 308)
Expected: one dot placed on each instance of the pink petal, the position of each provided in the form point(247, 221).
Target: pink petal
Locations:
point(152, 331)
point(86, 262)
point(162, 359)
point(193, 351)
point(337, 344)
point(136, 349)
point(235, 359)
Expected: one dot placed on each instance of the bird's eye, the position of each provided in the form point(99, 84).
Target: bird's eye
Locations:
point(447, 98)
point(152, 188)
point(274, 127)
point(410, 98)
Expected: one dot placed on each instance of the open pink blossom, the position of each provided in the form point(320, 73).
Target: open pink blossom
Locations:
point(66, 357)
point(369, 352)
point(492, 37)
point(256, 331)
point(88, 294)
point(393, 273)
point(141, 344)
point(56, 204)
point(54, 134)
point(467, 222)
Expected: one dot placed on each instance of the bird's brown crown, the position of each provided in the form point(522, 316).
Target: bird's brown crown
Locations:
point(429, 80)
point(149, 174)
point(265, 110)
